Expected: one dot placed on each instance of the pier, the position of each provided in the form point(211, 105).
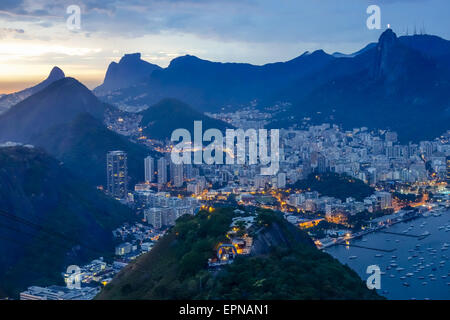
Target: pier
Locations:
point(364, 247)
point(405, 234)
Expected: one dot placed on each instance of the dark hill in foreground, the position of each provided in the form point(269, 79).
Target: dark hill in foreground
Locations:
point(49, 219)
point(286, 265)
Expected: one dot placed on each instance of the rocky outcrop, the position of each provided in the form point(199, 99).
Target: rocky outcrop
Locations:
point(278, 234)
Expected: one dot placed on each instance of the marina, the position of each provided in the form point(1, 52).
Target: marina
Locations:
point(419, 268)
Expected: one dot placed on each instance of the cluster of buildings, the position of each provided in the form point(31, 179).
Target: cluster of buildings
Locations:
point(135, 239)
point(372, 156)
point(164, 173)
point(239, 242)
point(161, 210)
point(377, 158)
point(245, 118)
point(335, 209)
point(92, 277)
point(161, 173)
point(126, 124)
point(312, 202)
point(59, 293)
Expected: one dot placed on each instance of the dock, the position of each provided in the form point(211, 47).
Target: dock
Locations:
point(364, 247)
point(405, 234)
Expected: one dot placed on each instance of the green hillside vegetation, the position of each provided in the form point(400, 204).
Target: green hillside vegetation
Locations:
point(335, 185)
point(49, 220)
point(290, 268)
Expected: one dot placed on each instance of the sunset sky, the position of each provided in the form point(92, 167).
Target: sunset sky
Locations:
point(34, 36)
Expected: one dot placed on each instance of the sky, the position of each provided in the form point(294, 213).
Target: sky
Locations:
point(34, 35)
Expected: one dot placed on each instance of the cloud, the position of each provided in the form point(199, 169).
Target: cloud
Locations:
point(10, 4)
point(252, 21)
point(255, 31)
point(6, 32)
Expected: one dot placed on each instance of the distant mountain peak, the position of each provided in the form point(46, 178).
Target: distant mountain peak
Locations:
point(387, 44)
point(58, 103)
point(9, 100)
point(184, 60)
point(130, 57)
point(319, 52)
point(387, 39)
point(55, 74)
point(130, 70)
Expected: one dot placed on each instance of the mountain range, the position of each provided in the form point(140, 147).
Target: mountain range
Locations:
point(209, 86)
point(398, 83)
point(130, 70)
point(391, 85)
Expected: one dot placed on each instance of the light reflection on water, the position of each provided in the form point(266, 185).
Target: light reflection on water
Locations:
point(423, 265)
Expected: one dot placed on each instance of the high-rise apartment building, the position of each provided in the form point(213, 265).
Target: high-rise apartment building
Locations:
point(149, 167)
point(162, 171)
point(448, 169)
point(176, 174)
point(117, 174)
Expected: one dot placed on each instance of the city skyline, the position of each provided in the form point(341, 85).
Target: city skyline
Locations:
point(316, 168)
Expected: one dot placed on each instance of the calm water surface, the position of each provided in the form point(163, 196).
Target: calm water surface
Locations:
point(416, 269)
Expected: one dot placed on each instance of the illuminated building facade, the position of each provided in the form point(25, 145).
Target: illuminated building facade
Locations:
point(149, 166)
point(117, 174)
point(448, 169)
